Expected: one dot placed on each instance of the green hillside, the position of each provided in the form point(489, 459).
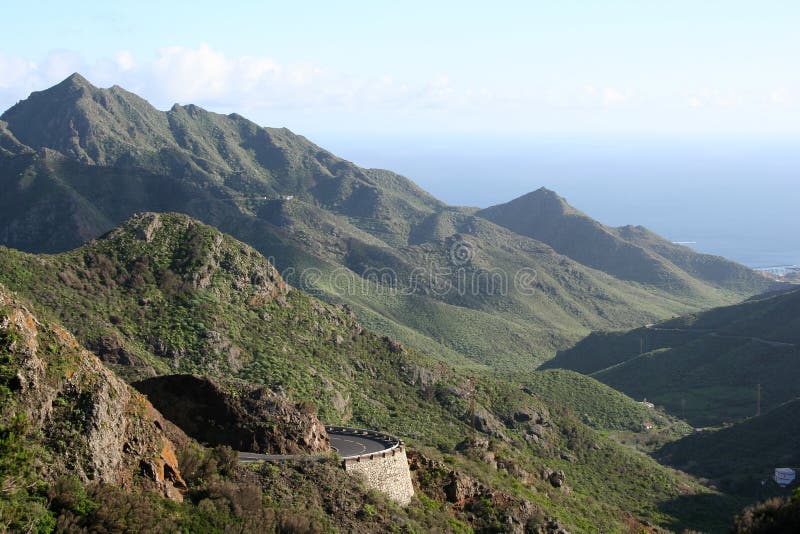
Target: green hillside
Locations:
point(165, 294)
point(708, 366)
point(598, 405)
point(78, 161)
point(738, 458)
point(81, 451)
point(628, 253)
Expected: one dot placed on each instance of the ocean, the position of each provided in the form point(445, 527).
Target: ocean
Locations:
point(733, 196)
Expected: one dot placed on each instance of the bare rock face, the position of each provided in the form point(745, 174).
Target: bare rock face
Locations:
point(98, 428)
point(236, 414)
point(462, 488)
point(556, 479)
point(486, 422)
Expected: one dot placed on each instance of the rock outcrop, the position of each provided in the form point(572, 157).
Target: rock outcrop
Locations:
point(237, 414)
point(466, 493)
point(91, 423)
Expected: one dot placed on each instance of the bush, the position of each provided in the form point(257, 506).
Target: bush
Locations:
point(775, 515)
point(201, 466)
point(105, 509)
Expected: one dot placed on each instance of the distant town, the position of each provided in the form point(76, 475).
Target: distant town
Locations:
point(782, 272)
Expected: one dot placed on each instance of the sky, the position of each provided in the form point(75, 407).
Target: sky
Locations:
point(362, 68)
point(681, 115)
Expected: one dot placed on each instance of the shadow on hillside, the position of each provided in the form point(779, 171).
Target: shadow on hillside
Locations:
point(705, 512)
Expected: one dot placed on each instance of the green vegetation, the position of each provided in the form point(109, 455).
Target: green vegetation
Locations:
point(167, 294)
point(773, 515)
point(65, 187)
point(713, 367)
point(163, 293)
point(739, 457)
point(598, 405)
point(628, 253)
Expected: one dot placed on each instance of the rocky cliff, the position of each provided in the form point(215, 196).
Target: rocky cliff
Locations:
point(237, 414)
point(83, 420)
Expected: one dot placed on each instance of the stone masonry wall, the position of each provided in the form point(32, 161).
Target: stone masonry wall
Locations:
point(387, 472)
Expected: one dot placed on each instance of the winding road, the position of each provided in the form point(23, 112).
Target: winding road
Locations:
point(347, 444)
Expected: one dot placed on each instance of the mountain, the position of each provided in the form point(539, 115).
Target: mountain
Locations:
point(165, 294)
point(713, 367)
point(630, 253)
point(228, 157)
point(77, 161)
point(598, 405)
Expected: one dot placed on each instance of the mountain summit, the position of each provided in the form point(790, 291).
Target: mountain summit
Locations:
point(83, 122)
point(630, 253)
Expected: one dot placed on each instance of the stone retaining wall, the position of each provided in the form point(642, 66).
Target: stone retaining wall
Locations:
point(385, 471)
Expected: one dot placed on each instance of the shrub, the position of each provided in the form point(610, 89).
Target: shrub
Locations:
point(772, 516)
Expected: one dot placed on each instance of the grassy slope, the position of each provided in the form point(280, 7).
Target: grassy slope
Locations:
point(169, 294)
point(629, 253)
point(598, 405)
point(568, 300)
point(708, 365)
point(42, 455)
point(739, 457)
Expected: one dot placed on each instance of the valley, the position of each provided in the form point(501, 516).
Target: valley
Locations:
point(228, 291)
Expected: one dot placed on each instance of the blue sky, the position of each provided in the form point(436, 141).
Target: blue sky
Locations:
point(641, 66)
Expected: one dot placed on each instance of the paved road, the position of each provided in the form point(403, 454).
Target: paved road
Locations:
point(349, 445)
point(345, 444)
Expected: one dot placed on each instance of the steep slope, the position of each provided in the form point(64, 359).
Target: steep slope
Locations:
point(9, 144)
point(165, 294)
point(598, 405)
point(568, 301)
point(713, 367)
point(112, 127)
point(628, 253)
point(80, 160)
point(740, 456)
point(63, 413)
point(236, 414)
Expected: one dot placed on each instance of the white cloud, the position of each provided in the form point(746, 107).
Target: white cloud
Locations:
point(125, 60)
point(14, 72)
point(270, 90)
point(207, 76)
point(613, 96)
point(707, 97)
point(781, 97)
point(191, 75)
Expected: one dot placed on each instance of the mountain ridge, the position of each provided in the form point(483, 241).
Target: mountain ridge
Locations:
point(629, 252)
point(112, 154)
point(709, 366)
